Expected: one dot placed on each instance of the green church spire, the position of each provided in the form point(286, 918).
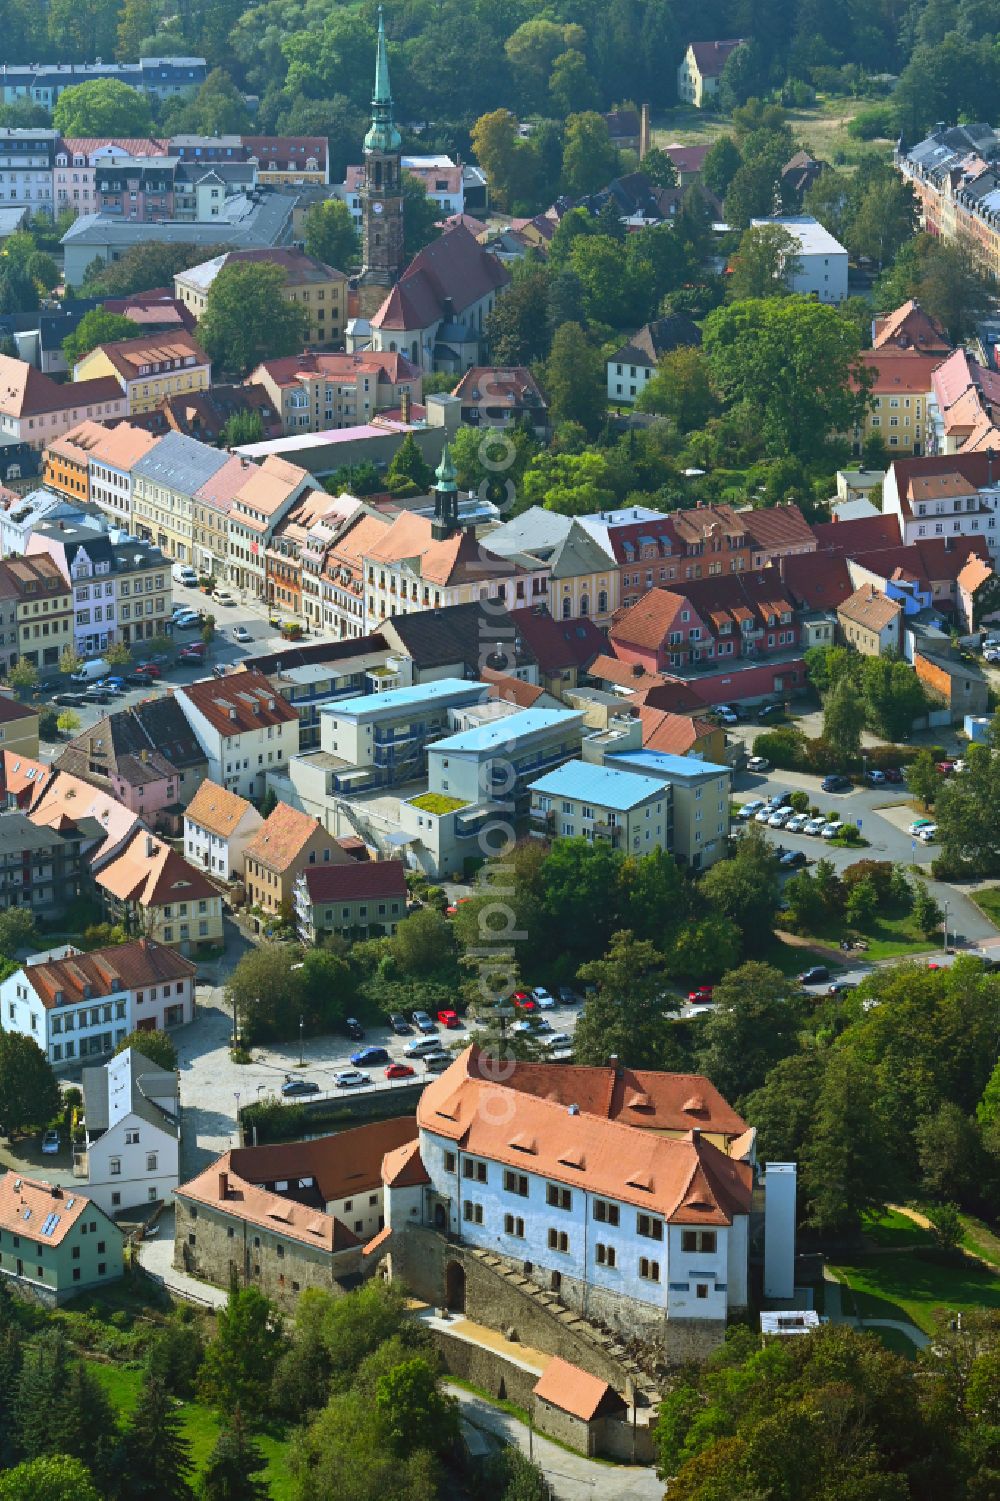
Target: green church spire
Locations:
point(383, 135)
point(446, 474)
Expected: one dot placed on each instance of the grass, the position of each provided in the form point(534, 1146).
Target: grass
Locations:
point(894, 1230)
point(896, 1341)
point(916, 1287)
point(822, 129)
point(988, 902)
point(981, 1239)
point(792, 959)
point(199, 1426)
point(890, 936)
point(437, 803)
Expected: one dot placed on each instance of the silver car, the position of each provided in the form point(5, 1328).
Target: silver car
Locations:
point(832, 830)
point(814, 826)
point(779, 819)
point(797, 823)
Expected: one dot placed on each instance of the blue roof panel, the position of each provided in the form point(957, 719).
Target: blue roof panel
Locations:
point(602, 785)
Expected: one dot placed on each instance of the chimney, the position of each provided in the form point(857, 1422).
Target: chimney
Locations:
point(150, 846)
point(643, 131)
point(223, 1185)
point(405, 403)
point(695, 1135)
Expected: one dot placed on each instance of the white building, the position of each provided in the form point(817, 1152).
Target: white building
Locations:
point(26, 159)
point(244, 726)
point(112, 459)
point(24, 513)
point(132, 1122)
point(382, 738)
point(218, 826)
point(77, 1006)
point(954, 497)
point(499, 758)
point(822, 268)
point(636, 1212)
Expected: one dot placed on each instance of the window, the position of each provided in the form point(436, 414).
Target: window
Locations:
point(559, 1241)
point(515, 1183)
point(701, 1290)
point(698, 1240)
point(131, 1138)
point(649, 1226)
point(115, 1166)
point(558, 1198)
point(151, 1162)
point(472, 1212)
point(471, 1168)
point(605, 1255)
point(605, 1213)
point(649, 1270)
point(513, 1225)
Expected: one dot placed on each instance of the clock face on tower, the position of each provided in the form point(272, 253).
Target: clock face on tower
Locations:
point(376, 207)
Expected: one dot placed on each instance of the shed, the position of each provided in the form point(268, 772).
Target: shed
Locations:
point(575, 1407)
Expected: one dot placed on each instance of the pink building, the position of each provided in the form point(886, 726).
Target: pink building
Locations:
point(77, 159)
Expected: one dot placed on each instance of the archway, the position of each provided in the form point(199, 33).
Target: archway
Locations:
point(440, 1218)
point(454, 1287)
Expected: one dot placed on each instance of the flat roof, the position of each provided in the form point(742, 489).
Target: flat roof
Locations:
point(664, 764)
point(812, 237)
point(405, 698)
point(604, 785)
point(505, 731)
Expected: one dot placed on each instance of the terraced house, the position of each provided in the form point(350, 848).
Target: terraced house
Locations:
point(150, 368)
point(164, 483)
point(36, 611)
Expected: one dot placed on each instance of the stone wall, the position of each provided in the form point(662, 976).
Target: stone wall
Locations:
point(575, 1433)
point(485, 1368)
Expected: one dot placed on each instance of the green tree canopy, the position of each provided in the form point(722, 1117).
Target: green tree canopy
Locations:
point(158, 1047)
point(56, 1477)
point(240, 1359)
point(409, 471)
point(247, 317)
point(589, 158)
point(575, 379)
point(234, 1466)
point(330, 234)
point(753, 1024)
point(765, 264)
point(102, 107)
point(95, 328)
point(629, 1016)
point(29, 1094)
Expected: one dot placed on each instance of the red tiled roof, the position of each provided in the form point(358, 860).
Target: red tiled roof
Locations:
point(404, 1167)
point(910, 327)
point(160, 352)
point(293, 369)
point(26, 392)
point(772, 528)
point(557, 644)
point(347, 1163)
point(149, 872)
point(453, 269)
point(239, 703)
point(101, 972)
point(819, 580)
point(512, 690)
point(283, 837)
point(648, 621)
point(357, 881)
point(849, 537)
point(712, 57)
point(502, 385)
point(574, 1391)
point(11, 710)
point(271, 1211)
point(26, 1204)
point(675, 734)
point(869, 608)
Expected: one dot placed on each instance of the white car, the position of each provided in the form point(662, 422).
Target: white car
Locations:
point(959, 766)
point(831, 830)
point(223, 597)
point(779, 818)
point(558, 1040)
point(758, 763)
point(240, 633)
point(725, 713)
point(543, 999)
point(992, 654)
point(920, 823)
point(765, 815)
point(928, 834)
point(351, 1078)
point(749, 809)
point(814, 826)
point(796, 824)
point(179, 617)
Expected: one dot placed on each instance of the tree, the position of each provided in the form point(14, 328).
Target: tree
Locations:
point(23, 677)
point(927, 915)
point(681, 389)
point(722, 162)
point(753, 1024)
point(218, 108)
point(234, 1466)
point(629, 1016)
point(157, 1046)
point(43, 271)
point(784, 1107)
point(883, 220)
point(18, 293)
point(847, 1165)
point(862, 904)
point(409, 471)
point(765, 264)
point(330, 233)
point(967, 813)
point(496, 147)
point(574, 379)
point(589, 158)
point(242, 427)
point(843, 720)
point(516, 328)
point(923, 777)
point(949, 1153)
point(118, 654)
point(329, 989)
point(29, 1094)
point(18, 931)
point(893, 696)
point(176, 1352)
point(420, 215)
point(745, 75)
point(150, 263)
point(156, 1458)
point(56, 1477)
point(752, 192)
point(70, 660)
point(947, 1226)
point(102, 107)
point(659, 168)
point(574, 484)
point(247, 317)
point(416, 1412)
point(422, 943)
point(944, 280)
point(95, 328)
point(265, 991)
point(240, 1360)
point(745, 889)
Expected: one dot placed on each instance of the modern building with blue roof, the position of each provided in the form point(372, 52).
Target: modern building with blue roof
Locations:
point(699, 791)
point(663, 764)
point(498, 759)
point(584, 800)
point(382, 738)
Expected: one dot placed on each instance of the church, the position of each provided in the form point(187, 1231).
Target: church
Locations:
point(434, 311)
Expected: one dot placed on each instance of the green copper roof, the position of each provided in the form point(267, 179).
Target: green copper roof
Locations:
point(383, 135)
point(446, 473)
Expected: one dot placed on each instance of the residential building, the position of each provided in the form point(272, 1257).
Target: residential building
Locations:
point(632, 367)
point(435, 314)
point(164, 483)
point(132, 1125)
point(267, 494)
point(74, 177)
point(699, 73)
point(978, 594)
point(147, 369)
point(870, 622)
point(204, 414)
point(112, 461)
point(152, 890)
point(309, 677)
point(502, 754)
point(502, 396)
point(36, 608)
point(798, 175)
point(27, 155)
point(139, 189)
point(708, 620)
point(118, 755)
point(244, 728)
point(700, 792)
point(121, 589)
point(821, 261)
point(18, 726)
point(953, 496)
point(627, 812)
point(359, 898)
point(284, 1215)
point(218, 826)
point(342, 580)
point(78, 1006)
point(954, 176)
point(210, 508)
point(245, 221)
point(458, 642)
point(163, 77)
point(40, 868)
point(636, 199)
point(321, 291)
point(34, 409)
point(317, 392)
point(961, 405)
point(284, 846)
point(642, 1229)
point(688, 161)
point(897, 408)
point(288, 159)
point(21, 780)
point(67, 804)
point(910, 327)
point(66, 460)
point(560, 650)
point(54, 1244)
point(583, 579)
point(381, 739)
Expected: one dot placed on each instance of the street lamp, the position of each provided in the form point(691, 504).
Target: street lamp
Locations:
point(947, 908)
point(302, 1061)
point(237, 1094)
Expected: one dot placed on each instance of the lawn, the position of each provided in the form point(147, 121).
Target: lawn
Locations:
point(199, 1426)
point(988, 902)
point(890, 937)
point(915, 1287)
point(821, 129)
point(894, 1230)
point(981, 1239)
point(792, 959)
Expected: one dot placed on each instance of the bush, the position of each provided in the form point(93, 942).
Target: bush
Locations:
point(946, 1225)
point(48, 725)
point(879, 872)
point(800, 802)
point(849, 835)
point(784, 748)
point(868, 124)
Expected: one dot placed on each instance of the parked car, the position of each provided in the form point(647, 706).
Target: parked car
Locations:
point(399, 1024)
point(421, 1046)
point(726, 714)
point(68, 700)
point(351, 1078)
point(137, 679)
point(195, 652)
point(817, 974)
point(436, 1063)
point(831, 830)
point(701, 995)
point(749, 809)
point(542, 998)
point(815, 826)
point(836, 783)
point(928, 835)
point(115, 686)
point(422, 1022)
point(991, 654)
point(188, 622)
point(97, 696)
point(918, 824)
point(367, 1056)
point(567, 996)
point(293, 1087)
point(841, 987)
point(792, 859)
point(557, 1041)
point(240, 633)
point(148, 672)
point(780, 799)
point(449, 1019)
point(523, 1001)
point(400, 1071)
point(944, 767)
point(758, 763)
point(223, 597)
point(779, 818)
point(50, 1143)
point(894, 775)
point(797, 823)
point(765, 815)
point(353, 1028)
point(875, 777)
point(769, 712)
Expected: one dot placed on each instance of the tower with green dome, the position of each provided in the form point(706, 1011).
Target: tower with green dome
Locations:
point(445, 523)
point(381, 192)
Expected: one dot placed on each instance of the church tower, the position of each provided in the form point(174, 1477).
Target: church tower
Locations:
point(446, 522)
point(381, 193)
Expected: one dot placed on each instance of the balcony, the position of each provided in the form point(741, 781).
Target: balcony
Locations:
point(611, 833)
point(541, 824)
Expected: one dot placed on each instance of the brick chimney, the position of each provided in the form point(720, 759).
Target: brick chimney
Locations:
point(223, 1185)
point(405, 404)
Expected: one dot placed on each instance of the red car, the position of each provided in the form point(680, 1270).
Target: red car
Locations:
point(933, 965)
point(193, 653)
point(149, 670)
point(399, 1071)
point(523, 1001)
point(944, 767)
point(460, 902)
point(700, 995)
point(449, 1019)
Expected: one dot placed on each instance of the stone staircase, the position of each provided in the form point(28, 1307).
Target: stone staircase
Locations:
point(610, 1345)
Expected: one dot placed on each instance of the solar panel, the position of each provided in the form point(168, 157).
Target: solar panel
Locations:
point(70, 1202)
point(50, 1224)
point(27, 1214)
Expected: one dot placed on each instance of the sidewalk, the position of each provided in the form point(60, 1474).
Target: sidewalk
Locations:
point(156, 1257)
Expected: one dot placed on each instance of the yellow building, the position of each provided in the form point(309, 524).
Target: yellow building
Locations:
point(699, 73)
point(319, 289)
point(37, 602)
point(18, 727)
point(150, 367)
point(908, 346)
